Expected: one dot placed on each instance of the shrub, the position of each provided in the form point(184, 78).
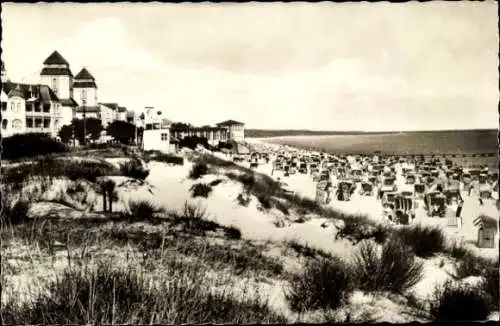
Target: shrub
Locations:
point(459, 303)
point(30, 145)
point(265, 202)
point(357, 228)
point(193, 219)
point(233, 232)
point(394, 270)
point(168, 158)
point(243, 199)
point(306, 250)
point(324, 283)
point(200, 190)
point(109, 296)
point(134, 169)
point(425, 241)
point(472, 265)
point(198, 170)
point(16, 213)
point(457, 250)
point(491, 284)
point(142, 210)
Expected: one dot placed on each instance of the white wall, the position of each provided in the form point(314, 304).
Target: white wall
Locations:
point(152, 140)
point(10, 115)
point(63, 83)
point(67, 115)
point(91, 96)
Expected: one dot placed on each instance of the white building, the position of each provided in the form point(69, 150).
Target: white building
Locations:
point(156, 131)
point(29, 108)
point(57, 75)
point(235, 129)
point(122, 113)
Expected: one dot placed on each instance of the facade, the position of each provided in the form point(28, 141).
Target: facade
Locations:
point(122, 113)
point(235, 129)
point(156, 131)
point(212, 134)
point(30, 108)
point(57, 75)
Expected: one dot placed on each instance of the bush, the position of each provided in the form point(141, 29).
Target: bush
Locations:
point(142, 210)
point(243, 199)
point(30, 145)
point(306, 250)
point(134, 169)
point(472, 265)
point(233, 232)
point(16, 213)
point(200, 190)
point(491, 284)
point(394, 270)
point(198, 170)
point(425, 241)
point(108, 296)
point(324, 283)
point(265, 202)
point(358, 227)
point(168, 158)
point(459, 303)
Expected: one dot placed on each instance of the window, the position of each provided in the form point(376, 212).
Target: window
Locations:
point(13, 106)
point(29, 122)
point(4, 106)
point(18, 106)
point(38, 107)
point(46, 108)
point(55, 85)
point(17, 124)
point(38, 123)
point(56, 124)
point(164, 137)
point(4, 123)
point(149, 126)
point(46, 123)
point(29, 107)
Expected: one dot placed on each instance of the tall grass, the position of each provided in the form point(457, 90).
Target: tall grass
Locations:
point(106, 295)
point(134, 169)
point(394, 269)
point(425, 241)
point(459, 303)
point(200, 190)
point(324, 283)
point(198, 170)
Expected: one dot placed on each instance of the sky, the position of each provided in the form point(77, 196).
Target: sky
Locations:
point(321, 66)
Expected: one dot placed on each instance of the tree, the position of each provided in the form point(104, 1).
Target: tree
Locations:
point(93, 128)
point(181, 125)
point(122, 131)
point(66, 133)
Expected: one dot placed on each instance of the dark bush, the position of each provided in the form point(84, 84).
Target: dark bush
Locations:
point(233, 232)
point(192, 142)
point(265, 202)
point(307, 251)
point(358, 227)
point(243, 199)
point(16, 213)
point(142, 210)
point(472, 265)
point(394, 270)
point(491, 284)
point(134, 169)
point(198, 170)
point(30, 145)
point(425, 241)
point(324, 283)
point(200, 190)
point(168, 158)
point(459, 303)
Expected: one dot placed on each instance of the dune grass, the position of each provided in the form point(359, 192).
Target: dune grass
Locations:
point(110, 295)
point(425, 241)
point(201, 190)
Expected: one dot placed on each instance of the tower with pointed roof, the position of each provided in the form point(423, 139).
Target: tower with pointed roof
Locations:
point(85, 89)
point(56, 74)
point(4, 74)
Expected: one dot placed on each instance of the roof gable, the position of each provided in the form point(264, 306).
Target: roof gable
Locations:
point(230, 123)
point(28, 91)
point(55, 59)
point(84, 74)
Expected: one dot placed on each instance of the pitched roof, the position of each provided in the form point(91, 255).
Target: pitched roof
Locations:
point(24, 90)
point(112, 106)
point(84, 84)
point(55, 59)
point(69, 102)
point(230, 123)
point(56, 72)
point(84, 74)
point(88, 109)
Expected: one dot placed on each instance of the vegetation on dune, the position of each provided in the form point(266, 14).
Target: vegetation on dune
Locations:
point(198, 170)
point(452, 302)
point(106, 295)
point(30, 146)
point(142, 210)
point(324, 283)
point(306, 250)
point(394, 269)
point(358, 227)
point(134, 169)
point(425, 241)
point(200, 190)
point(14, 212)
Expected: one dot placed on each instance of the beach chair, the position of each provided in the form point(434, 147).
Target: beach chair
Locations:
point(404, 210)
point(366, 189)
point(435, 204)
